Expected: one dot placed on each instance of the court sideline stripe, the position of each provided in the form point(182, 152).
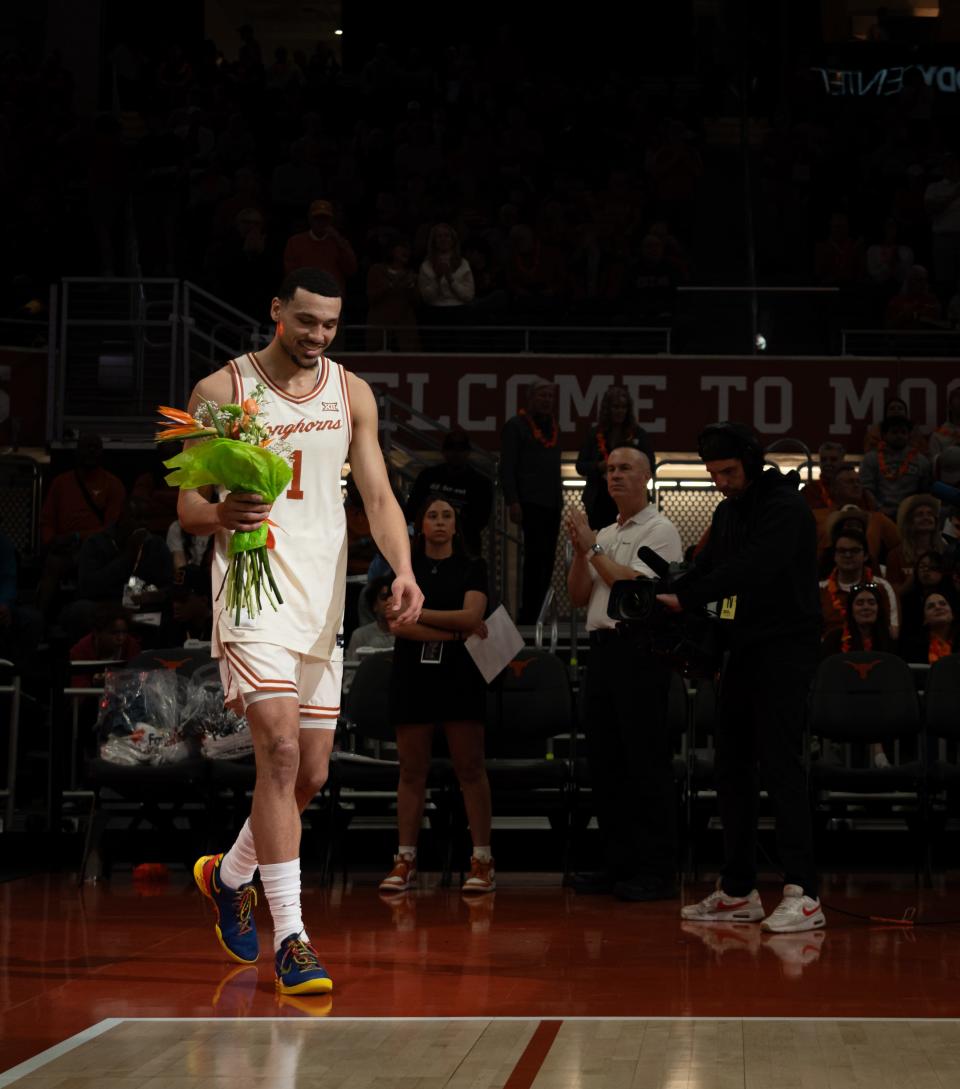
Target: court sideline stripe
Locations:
point(33, 1064)
point(529, 1063)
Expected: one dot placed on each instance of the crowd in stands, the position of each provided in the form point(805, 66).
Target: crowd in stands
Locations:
point(889, 547)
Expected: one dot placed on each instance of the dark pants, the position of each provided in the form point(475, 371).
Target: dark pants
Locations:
point(540, 528)
point(760, 720)
point(630, 753)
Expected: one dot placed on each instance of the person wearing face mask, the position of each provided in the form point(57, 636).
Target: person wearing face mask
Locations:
point(616, 426)
point(435, 682)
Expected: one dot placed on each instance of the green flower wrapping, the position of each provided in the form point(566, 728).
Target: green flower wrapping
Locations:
point(238, 467)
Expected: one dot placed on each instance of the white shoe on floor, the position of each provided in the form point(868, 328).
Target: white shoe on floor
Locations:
point(794, 913)
point(718, 907)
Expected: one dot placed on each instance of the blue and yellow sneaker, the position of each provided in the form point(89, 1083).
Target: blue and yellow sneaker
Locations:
point(299, 970)
point(236, 930)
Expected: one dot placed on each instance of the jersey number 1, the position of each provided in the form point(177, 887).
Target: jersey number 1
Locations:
point(294, 492)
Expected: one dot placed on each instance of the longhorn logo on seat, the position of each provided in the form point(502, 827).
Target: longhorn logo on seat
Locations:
point(518, 665)
point(172, 663)
point(862, 668)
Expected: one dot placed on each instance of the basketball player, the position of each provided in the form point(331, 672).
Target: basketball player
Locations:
point(286, 665)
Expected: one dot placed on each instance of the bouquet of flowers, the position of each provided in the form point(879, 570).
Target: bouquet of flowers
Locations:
point(233, 455)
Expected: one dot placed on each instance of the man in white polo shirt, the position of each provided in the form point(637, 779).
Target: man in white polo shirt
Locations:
point(630, 750)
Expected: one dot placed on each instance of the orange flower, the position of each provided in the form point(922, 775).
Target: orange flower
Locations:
point(250, 407)
point(266, 442)
point(179, 416)
point(244, 422)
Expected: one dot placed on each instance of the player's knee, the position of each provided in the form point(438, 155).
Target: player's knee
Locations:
point(281, 755)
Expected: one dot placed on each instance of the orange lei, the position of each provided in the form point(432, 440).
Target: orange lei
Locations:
point(602, 443)
point(839, 597)
point(846, 641)
point(538, 434)
point(825, 496)
point(894, 474)
point(938, 648)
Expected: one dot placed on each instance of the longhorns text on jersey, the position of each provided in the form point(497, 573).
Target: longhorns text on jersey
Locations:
point(310, 560)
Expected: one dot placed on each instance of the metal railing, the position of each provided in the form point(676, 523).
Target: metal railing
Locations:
point(900, 342)
point(506, 339)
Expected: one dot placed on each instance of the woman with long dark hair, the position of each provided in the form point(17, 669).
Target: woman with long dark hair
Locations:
point(940, 635)
point(866, 625)
point(616, 426)
point(435, 682)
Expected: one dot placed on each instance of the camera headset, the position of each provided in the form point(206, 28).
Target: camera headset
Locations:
point(724, 440)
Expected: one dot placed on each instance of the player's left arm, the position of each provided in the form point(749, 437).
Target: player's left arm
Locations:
point(387, 523)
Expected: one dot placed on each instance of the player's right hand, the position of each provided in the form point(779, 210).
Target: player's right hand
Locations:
point(243, 511)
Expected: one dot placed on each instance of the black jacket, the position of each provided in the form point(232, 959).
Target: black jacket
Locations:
point(763, 549)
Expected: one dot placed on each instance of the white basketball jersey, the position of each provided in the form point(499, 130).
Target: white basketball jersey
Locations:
point(309, 561)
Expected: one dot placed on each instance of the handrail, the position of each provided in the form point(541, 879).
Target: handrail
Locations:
point(549, 607)
point(195, 289)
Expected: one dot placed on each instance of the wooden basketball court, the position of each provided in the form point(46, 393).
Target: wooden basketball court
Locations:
point(123, 986)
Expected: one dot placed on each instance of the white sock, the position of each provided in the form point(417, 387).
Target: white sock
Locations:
point(410, 851)
point(281, 886)
point(240, 862)
point(482, 854)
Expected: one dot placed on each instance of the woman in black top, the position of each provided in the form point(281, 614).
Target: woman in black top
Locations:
point(616, 426)
point(435, 680)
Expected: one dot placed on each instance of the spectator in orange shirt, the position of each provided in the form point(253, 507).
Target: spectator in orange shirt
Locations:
point(918, 520)
point(322, 246)
point(817, 493)
point(82, 500)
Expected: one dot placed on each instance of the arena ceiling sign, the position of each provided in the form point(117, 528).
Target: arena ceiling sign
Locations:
point(806, 398)
point(883, 82)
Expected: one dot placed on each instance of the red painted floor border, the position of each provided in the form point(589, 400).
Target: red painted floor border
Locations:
point(531, 1060)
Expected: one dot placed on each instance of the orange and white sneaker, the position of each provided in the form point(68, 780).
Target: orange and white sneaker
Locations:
point(718, 907)
point(403, 876)
point(482, 877)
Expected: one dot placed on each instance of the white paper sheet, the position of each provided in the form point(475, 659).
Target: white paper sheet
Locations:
point(501, 646)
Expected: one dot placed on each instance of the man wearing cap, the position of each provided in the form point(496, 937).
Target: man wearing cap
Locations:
point(530, 459)
point(894, 470)
point(759, 565)
point(465, 488)
point(322, 247)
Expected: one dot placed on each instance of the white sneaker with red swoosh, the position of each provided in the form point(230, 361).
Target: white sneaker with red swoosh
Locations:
point(718, 907)
point(794, 913)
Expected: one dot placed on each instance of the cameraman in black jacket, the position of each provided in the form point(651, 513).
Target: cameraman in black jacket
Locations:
point(760, 567)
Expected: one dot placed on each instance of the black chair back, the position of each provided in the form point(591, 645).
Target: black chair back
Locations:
point(864, 696)
point(943, 698)
point(368, 702)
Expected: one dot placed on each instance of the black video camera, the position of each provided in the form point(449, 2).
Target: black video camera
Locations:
point(687, 640)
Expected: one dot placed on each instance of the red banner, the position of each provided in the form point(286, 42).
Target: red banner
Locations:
point(811, 399)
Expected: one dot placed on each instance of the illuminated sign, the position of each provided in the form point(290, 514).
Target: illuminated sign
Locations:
point(856, 83)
